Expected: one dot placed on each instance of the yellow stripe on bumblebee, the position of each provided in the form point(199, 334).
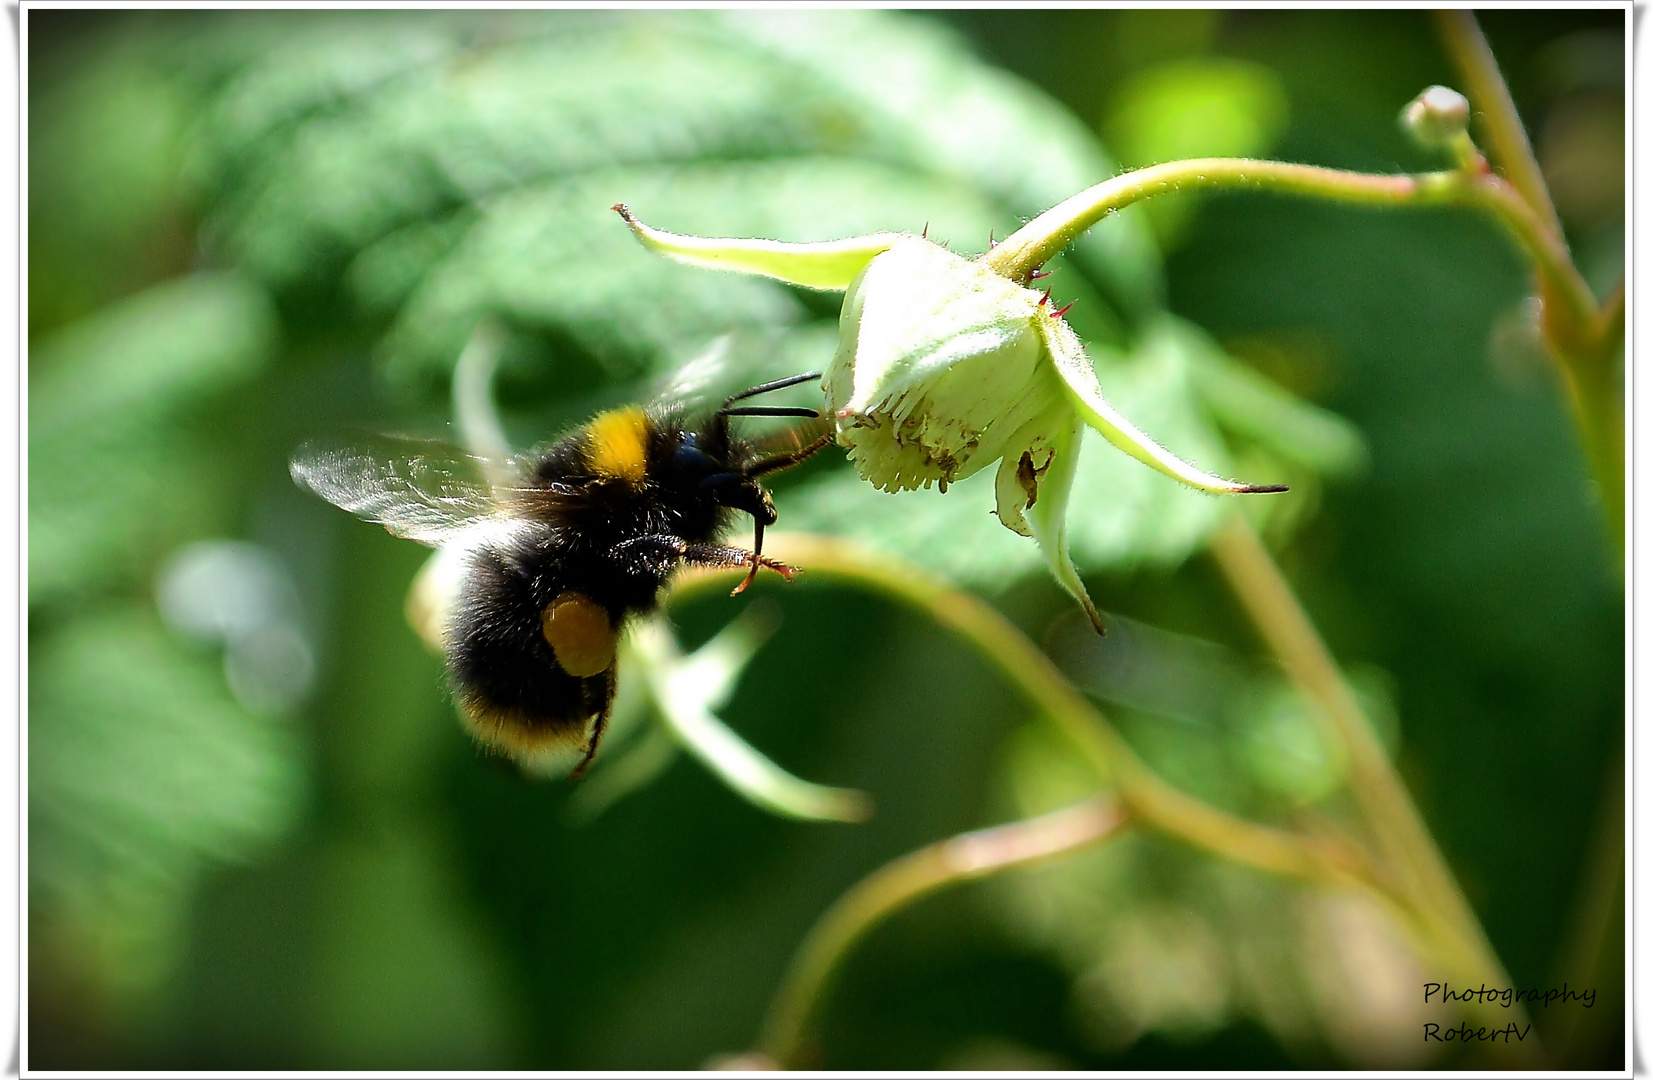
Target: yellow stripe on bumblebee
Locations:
point(619, 442)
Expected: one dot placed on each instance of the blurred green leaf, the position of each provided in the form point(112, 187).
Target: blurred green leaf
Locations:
point(105, 503)
point(469, 167)
point(1282, 744)
point(1194, 107)
point(141, 770)
point(402, 976)
point(163, 348)
point(106, 205)
point(1205, 107)
point(1253, 407)
point(117, 474)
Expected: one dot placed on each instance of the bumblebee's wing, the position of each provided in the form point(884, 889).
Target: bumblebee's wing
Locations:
point(423, 491)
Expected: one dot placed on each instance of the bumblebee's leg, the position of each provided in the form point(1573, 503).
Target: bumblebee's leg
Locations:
point(720, 556)
point(658, 553)
point(789, 458)
point(597, 728)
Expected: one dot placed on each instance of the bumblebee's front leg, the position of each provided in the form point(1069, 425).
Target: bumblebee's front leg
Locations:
point(722, 556)
point(659, 554)
point(654, 556)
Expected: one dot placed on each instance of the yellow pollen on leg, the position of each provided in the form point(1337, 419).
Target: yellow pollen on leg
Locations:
point(580, 634)
point(619, 445)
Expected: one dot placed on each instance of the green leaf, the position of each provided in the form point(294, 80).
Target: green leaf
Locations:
point(468, 168)
point(142, 770)
point(1202, 107)
point(167, 346)
point(919, 87)
point(552, 258)
point(1251, 406)
point(106, 501)
point(116, 475)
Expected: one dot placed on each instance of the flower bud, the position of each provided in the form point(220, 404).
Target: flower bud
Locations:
point(939, 362)
point(946, 365)
point(1438, 117)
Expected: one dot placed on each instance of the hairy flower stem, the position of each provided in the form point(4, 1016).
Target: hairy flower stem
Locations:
point(1037, 242)
point(1506, 135)
point(1584, 337)
point(1408, 850)
point(896, 884)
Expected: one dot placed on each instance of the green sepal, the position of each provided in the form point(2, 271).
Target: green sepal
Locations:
point(829, 264)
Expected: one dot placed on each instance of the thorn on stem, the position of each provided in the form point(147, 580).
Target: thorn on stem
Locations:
point(1064, 311)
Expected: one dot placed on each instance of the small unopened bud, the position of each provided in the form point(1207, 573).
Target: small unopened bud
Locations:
point(1438, 117)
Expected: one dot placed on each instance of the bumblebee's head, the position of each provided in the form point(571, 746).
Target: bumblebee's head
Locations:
point(717, 465)
point(707, 463)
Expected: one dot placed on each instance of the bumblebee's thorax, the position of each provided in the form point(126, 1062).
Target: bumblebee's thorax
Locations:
point(626, 477)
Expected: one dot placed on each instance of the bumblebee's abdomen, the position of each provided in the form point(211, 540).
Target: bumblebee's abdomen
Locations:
point(511, 690)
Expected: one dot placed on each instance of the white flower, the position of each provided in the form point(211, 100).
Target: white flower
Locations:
point(939, 365)
point(946, 365)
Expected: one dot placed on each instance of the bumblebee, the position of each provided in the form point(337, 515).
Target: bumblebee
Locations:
point(556, 559)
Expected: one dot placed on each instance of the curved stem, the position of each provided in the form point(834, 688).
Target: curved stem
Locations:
point(1546, 247)
point(1037, 242)
point(1407, 847)
point(474, 413)
point(1584, 337)
point(1441, 922)
point(1150, 799)
point(896, 884)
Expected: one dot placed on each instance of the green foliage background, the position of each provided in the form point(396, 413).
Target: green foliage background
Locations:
point(247, 229)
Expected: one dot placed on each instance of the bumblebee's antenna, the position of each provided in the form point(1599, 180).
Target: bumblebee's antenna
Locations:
point(778, 384)
point(769, 410)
